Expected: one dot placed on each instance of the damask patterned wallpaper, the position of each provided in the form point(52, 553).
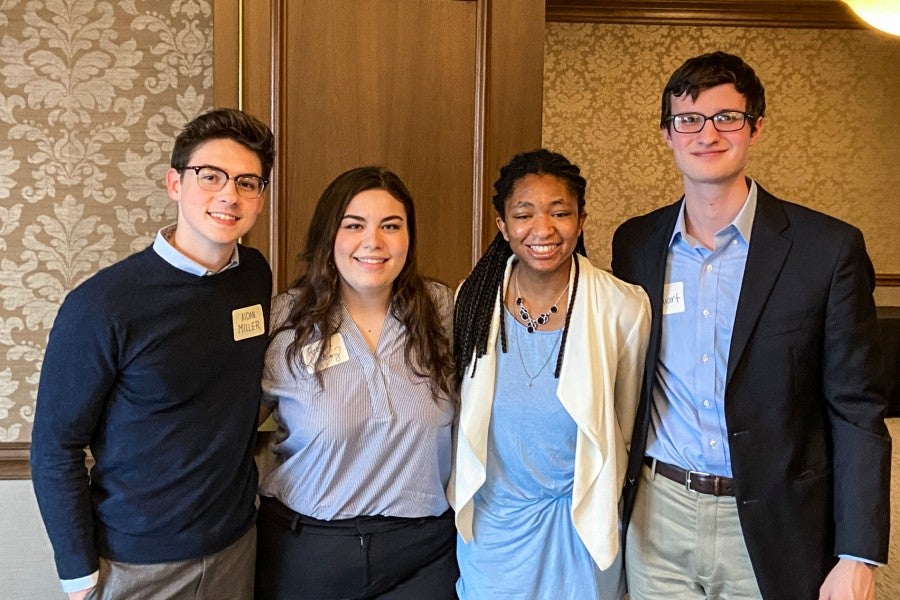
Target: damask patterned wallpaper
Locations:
point(831, 137)
point(92, 94)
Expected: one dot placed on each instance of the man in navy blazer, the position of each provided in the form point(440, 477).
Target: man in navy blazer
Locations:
point(760, 461)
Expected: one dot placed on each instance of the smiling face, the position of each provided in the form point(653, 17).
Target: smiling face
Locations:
point(371, 244)
point(209, 223)
point(542, 223)
point(711, 157)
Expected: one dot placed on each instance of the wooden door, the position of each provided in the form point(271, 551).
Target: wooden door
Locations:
point(389, 82)
point(440, 91)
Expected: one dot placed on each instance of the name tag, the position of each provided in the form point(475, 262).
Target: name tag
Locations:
point(248, 322)
point(335, 353)
point(673, 298)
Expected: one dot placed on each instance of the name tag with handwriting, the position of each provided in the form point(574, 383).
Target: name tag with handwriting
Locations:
point(673, 298)
point(248, 322)
point(335, 353)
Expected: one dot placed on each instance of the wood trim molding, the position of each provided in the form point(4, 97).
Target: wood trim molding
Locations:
point(14, 460)
point(479, 153)
point(887, 279)
point(812, 14)
point(513, 108)
point(15, 463)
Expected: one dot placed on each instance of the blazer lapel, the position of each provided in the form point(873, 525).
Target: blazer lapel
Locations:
point(654, 254)
point(765, 259)
point(655, 250)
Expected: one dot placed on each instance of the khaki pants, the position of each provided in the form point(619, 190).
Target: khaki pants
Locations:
point(225, 575)
point(683, 544)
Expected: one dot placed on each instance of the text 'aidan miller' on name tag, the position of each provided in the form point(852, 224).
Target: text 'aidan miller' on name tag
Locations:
point(248, 322)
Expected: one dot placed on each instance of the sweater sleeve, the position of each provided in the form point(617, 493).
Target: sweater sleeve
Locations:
point(78, 372)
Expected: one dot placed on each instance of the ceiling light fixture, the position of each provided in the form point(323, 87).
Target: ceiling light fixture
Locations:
point(880, 14)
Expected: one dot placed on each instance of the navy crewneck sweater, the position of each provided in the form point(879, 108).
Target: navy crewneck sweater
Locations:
point(143, 366)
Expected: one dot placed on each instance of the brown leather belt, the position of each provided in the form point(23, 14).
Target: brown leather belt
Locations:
point(693, 480)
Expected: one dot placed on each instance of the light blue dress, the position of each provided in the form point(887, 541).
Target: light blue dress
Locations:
point(524, 545)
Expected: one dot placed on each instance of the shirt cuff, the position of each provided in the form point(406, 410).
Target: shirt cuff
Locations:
point(862, 560)
point(82, 583)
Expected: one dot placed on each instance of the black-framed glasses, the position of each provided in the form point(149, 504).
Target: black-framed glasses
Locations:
point(213, 179)
point(727, 120)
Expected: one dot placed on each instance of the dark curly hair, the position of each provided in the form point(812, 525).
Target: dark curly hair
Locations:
point(314, 315)
point(225, 124)
point(707, 71)
point(478, 294)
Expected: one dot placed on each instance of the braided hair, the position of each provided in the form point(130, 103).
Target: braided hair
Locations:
point(479, 293)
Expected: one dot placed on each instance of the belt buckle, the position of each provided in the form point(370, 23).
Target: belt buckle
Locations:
point(687, 480)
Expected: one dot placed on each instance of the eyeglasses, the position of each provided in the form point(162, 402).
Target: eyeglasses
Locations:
point(727, 120)
point(213, 179)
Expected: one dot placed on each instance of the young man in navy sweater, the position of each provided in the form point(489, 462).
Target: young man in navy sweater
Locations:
point(154, 364)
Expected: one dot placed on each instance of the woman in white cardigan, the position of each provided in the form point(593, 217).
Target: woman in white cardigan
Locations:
point(550, 352)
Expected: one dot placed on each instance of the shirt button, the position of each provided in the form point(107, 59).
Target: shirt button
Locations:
point(705, 358)
point(713, 443)
point(708, 268)
point(705, 312)
point(734, 242)
point(706, 403)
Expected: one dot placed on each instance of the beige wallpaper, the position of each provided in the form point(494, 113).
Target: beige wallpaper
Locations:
point(831, 139)
point(92, 94)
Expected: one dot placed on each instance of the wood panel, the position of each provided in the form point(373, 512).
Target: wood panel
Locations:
point(226, 51)
point(244, 61)
point(388, 82)
point(513, 105)
point(815, 14)
point(300, 67)
point(257, 96)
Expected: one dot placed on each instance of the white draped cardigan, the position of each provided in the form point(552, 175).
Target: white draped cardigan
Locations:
point(599, 386)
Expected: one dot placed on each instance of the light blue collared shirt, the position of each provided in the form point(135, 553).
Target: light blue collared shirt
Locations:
point(370, 439)
point(688, 426)
point(168, 252)
point(700, 297)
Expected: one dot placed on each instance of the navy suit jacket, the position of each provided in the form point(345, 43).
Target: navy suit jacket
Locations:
point(804, 391)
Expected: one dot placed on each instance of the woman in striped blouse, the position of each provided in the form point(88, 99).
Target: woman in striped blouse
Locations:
point(359, 374)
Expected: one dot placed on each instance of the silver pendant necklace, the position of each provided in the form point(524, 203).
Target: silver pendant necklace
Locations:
point(543, 318)
point(529, 376)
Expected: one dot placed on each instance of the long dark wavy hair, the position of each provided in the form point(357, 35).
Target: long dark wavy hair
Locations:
point(315, 314)
point(478, 293)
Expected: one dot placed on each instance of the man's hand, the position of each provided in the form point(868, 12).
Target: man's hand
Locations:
point(849, 580)
point(80, 595)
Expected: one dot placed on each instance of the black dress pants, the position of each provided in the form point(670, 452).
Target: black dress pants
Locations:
point(301, 558)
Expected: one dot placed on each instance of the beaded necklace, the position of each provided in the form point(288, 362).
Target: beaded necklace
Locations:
point(542, 319)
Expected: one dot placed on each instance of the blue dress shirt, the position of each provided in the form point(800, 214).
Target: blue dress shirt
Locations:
point(701, 292)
